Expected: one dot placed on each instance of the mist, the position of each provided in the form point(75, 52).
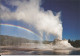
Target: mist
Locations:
point(31, 12)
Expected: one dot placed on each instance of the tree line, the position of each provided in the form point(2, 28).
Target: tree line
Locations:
point(75, 43)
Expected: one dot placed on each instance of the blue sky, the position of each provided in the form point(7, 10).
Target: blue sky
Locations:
point(70, 16)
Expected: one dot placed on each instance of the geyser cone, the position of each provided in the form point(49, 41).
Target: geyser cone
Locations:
point(62, 44)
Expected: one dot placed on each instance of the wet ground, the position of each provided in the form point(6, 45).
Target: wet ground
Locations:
point(22, 51)
point(14, 52)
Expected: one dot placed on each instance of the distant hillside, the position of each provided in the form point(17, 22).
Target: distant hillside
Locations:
point(10, 40)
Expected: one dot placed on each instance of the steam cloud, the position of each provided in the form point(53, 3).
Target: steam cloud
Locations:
point(30, 11)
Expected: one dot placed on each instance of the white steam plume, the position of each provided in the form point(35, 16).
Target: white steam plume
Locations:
point(30, 11)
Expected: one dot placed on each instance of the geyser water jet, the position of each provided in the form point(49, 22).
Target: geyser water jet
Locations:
point(31, 12)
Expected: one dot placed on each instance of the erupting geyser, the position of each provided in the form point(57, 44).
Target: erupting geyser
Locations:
point(31, 12)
